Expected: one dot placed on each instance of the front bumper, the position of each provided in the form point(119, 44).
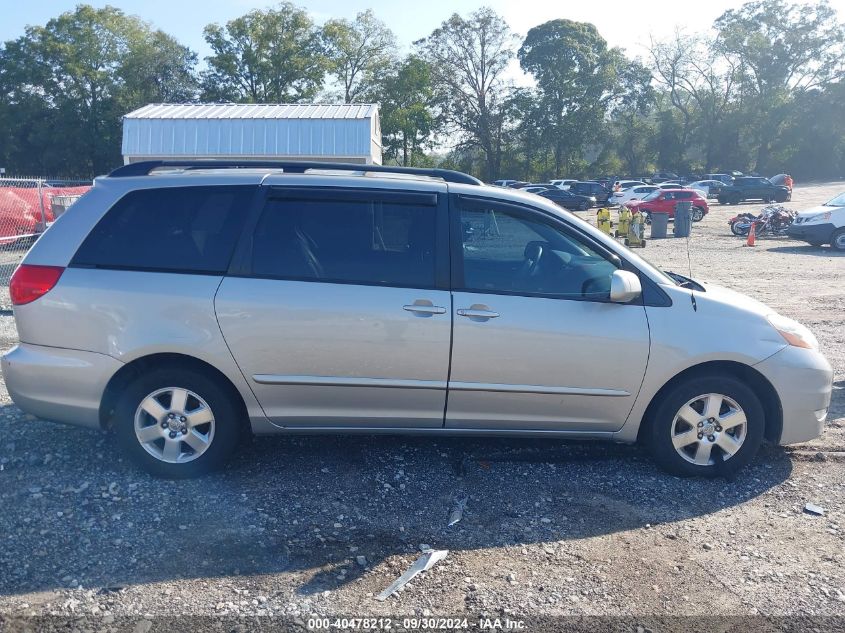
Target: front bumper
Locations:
point(813, 233)
point(803, 380)
point(58, 384)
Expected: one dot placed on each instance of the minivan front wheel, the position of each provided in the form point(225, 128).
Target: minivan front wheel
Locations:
point(177, 422)
point(706, 426)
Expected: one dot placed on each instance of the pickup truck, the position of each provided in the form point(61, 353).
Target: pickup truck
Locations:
point(752, 188)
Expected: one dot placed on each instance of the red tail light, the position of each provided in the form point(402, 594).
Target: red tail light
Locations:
point(30, 282)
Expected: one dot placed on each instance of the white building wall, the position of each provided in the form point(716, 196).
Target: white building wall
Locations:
point(180, 131)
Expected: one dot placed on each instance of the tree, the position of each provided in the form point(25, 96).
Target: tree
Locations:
point(406, 96)
point(65, 86)
point(577, 76)
point(631, 124)
point(781, 50)
point(701, 83)
point(265, 56)
point(468, 58)
point(359, 52)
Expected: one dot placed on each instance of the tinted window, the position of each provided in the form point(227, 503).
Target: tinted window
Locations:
point(683, 195)
point(177, 229)
point(509, 251)
point(369, 242)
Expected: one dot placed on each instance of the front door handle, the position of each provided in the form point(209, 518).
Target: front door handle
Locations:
point(424, 309)
point(477, 313)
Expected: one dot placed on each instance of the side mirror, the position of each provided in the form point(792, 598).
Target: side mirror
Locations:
point(624, 286)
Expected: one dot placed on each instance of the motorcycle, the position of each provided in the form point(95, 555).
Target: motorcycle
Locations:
point(773, 220)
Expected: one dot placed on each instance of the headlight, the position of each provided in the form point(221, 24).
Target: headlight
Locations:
point(817, 217)
point(793, 332)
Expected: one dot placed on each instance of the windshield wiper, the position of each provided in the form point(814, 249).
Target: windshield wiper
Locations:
point(685, 282)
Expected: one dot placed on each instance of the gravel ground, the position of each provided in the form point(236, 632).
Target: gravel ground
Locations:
point(319, 526)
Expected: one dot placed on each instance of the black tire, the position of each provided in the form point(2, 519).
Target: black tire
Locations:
point(217, 394)
point(837, 240)
point(657, 435)
point(697, 214)
point(738, 231)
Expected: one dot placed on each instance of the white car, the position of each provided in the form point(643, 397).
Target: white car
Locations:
point(632, 193)
point(622, 185)
point(705, 186)
point(562, 183)
point(535, 188)
point(822, 225)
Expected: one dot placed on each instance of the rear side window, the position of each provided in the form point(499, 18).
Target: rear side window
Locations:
point(175, 229)
point(349, 241)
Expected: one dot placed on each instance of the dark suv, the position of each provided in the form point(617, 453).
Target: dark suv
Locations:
point(752, 188)
point(591, 189)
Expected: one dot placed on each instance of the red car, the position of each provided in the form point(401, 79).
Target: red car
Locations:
point(664, 201)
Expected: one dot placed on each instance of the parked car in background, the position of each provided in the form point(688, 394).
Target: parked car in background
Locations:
point(664, 176)
point(621, 185)
point(784, 180)
point(664, 201)
point(633, 193)
point(532, 188)
point(591, 189)
point(197, 308)
point(519, 184)
point(710, 188)
point(562, 183)
point(670, 185)
point(752, 188)
point(824, 224)
point(724, 178)
point(504, 183)
point(569, 200)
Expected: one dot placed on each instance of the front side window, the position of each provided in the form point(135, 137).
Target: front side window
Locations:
point(510, 251)
point(172, 229)
point(348, 241)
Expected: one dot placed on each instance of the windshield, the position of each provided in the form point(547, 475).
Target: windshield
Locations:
point(838, 201)
point(652, 195)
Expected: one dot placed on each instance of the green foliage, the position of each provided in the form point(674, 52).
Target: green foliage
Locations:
point(265, 56)
point(65, 85)
point(406, 96)
point(766, 92)
point(468, 58)
point(359, 53)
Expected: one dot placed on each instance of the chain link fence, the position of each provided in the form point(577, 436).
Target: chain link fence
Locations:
point(28, 206)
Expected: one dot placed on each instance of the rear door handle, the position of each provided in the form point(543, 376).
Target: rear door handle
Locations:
point(476, 313)
point(424, 309)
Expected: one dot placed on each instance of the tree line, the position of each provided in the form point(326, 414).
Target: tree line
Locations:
point(763, 91)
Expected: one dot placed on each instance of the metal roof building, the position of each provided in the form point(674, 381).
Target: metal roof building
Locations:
point(346, 132)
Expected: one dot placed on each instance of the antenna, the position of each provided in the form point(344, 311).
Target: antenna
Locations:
point(689, 261)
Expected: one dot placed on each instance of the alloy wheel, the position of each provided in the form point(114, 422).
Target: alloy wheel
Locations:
point(174, 425)
point(708, 429)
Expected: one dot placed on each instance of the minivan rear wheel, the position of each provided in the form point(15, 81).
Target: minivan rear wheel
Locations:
point(706, 426)
point(177, 423)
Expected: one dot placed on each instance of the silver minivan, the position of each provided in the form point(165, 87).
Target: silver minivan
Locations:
point(184, 305)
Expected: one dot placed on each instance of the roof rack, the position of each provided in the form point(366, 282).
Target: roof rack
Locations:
point(143, 168)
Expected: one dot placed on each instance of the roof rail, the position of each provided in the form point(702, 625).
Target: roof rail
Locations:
point(143, 168)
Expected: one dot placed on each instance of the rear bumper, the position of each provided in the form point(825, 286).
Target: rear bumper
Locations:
point(58, 384)
point(818, 233)
point(803, 380)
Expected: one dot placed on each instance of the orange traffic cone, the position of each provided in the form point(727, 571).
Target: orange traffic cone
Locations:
point(752, 236)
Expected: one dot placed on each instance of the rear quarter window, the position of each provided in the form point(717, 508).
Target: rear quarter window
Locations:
point(174, 229)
